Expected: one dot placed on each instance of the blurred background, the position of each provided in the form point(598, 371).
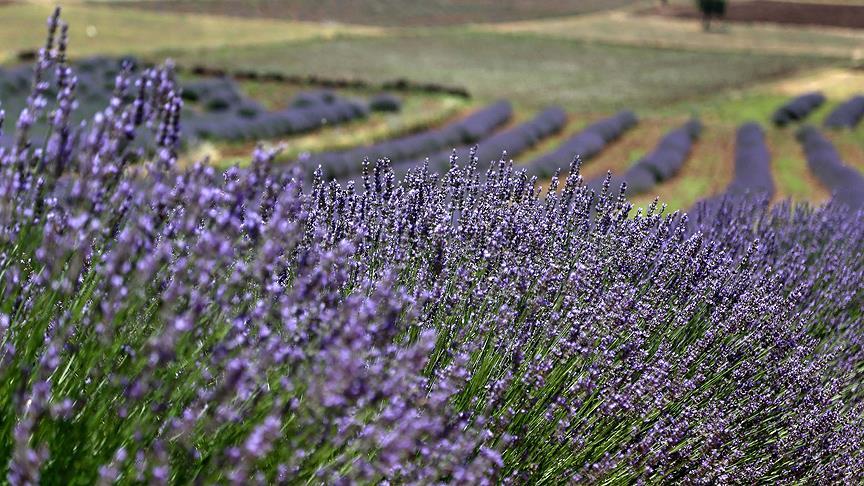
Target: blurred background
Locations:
point(408, 66)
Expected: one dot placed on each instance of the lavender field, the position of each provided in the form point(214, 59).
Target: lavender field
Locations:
point(415, 310)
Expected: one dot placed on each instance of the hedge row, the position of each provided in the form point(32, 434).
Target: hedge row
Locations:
point(400, 84)
point(752, 178)
point(229, 115)
point(752, 162)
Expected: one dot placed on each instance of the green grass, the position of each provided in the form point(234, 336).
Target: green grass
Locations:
point(739, 106)
point(386, 13)
point(104, 30)
point(531, 71)
point(533, 64)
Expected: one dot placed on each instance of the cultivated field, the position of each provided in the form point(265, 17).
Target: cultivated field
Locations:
point(609, 56)
point(105, 30)
point(431, 242)
point(384, 13)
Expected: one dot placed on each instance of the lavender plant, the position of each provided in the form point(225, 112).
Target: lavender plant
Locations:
point(171, 326)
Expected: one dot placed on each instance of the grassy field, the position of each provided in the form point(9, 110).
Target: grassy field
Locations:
point(581, 76)
point(105, 30)
point(386, 13)
point(592, 64)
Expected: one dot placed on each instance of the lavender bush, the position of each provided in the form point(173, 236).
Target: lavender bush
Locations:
point(752, 176)
point(164, 326)
point(847, 114)
point(845, 182)
point(798, 108)
point(512, 141)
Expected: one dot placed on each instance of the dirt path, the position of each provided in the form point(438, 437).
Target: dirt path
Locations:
point(779, 12)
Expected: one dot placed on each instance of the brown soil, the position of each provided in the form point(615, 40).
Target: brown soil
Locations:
point(796, 13)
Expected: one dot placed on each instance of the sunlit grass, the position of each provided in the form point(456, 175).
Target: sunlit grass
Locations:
point(105, 30)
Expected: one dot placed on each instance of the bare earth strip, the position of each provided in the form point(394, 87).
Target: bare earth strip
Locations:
point(779, 12)
point(630, 28)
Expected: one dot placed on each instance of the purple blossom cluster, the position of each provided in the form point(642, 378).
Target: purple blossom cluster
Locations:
point(798, 108)
point(164, 326)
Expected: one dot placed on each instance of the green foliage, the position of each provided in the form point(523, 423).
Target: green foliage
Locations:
point(715, 8)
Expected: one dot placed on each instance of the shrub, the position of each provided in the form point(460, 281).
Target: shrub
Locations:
point(513, 141)
point(477, 125)
point(847, 114)
point(711, 9)
point(823, 160)
point(385, 102)
point(797, 108)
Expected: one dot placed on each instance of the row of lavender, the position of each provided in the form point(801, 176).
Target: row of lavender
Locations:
point(507, 143)
point(434, 149)
point(588, 143)
point(476, 126)
point(229, 115)
point(846, 115)
point(214, 108)
point(845, 182)
point(661, 164)
point(168, 326)
point(752, 176)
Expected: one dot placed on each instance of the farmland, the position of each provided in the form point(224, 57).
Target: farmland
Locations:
point(385, 13)
point(102, 30)
point(454, 242)
point(733, 77)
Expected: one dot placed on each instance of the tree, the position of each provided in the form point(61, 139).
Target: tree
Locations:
point(711, 9)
